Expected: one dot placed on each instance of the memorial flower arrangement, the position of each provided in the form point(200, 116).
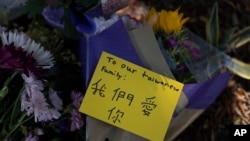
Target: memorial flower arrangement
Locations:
point(173, 41)
point(41, 79)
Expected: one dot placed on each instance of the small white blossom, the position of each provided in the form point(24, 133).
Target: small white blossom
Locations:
point(34, 102)
point(32, 137)
point(32, 84)
point(55, 99)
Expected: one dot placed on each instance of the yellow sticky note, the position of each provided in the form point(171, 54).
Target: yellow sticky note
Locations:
point(131, 97)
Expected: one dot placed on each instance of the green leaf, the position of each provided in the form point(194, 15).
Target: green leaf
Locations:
point(241, 38)
point(3, 92)
point(16, 109)
point(212, 27)
point(239, 68)
point(34, 7)
point(227, 38)
point(24, 130)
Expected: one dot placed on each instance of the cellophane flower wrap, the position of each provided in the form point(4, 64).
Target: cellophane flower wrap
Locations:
point(188, 56)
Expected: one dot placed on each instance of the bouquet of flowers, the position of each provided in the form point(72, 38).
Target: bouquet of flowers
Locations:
point(36, 96)
point(36, 78)
point(172, 39)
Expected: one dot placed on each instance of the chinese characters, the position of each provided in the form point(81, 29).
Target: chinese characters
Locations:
point(121, 94)
point(97, 88)
point(148, 106)
point(115, 115)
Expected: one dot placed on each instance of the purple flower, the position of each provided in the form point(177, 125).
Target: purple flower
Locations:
point(76, 120)
point(43, 58)
point(32, 84)
point(53, 114)
point(10, 57)
point(34, 102)
point(23, 54)
point(171, 42)
point(186, 43)
point(183, 68)
point(192, 50)
point(76, 98)
point(194, 53)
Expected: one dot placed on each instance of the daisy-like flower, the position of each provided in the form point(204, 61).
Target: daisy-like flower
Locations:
point(76, 120)
point(54, 114)
point(169, 21)
point(76, 98)
point(32, 84)
point(37, 105)
point(17, 58)
point(32, 137)
point(44, 58)
point(34, 102)
point(55, 99)
point(2, 29)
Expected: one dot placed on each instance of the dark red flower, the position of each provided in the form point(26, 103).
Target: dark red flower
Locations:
point(18, 59)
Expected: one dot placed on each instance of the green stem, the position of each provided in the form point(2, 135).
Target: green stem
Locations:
point(15, 106)
point(5, 114)
point(10, 78)
point(19, 123)
point(4, 91)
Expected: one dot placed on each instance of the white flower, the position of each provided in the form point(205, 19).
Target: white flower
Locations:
point(39, 131)
point(2, 29)
point(43, 57)
point(32, 84)
point(36, 104)
point(54, 113)
point(32, 137)
point(55, 99)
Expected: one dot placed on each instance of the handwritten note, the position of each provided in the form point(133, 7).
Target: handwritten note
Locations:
point(131, 97)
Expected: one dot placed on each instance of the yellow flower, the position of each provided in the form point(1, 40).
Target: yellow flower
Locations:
point(169, 21)
point(151, 18)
